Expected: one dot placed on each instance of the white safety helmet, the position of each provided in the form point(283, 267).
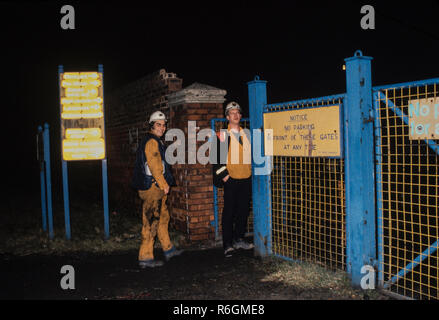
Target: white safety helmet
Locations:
point(232, 105)
point(158, 115)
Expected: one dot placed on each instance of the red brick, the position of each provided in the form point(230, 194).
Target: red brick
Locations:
point(198, 207)
point(200, 189)
point(202, 230)
point(199, 237)
point(200, 201)
point(199, 195)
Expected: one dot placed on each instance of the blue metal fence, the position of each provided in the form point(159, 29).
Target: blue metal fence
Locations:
point(386, 188)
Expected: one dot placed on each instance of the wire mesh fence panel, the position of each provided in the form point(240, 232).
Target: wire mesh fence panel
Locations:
point(407, 196)
point(308, 202)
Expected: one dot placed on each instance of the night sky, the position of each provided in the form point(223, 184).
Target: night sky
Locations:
point(298, 47)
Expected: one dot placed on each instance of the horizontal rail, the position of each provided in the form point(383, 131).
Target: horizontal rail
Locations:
point(407, 84)
point(212, 121)
point(306, 101)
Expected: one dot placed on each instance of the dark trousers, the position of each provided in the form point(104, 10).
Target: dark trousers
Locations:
point(236, 209)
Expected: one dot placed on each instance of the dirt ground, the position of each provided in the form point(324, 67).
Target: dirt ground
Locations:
point(30, 263)
point(196, 274)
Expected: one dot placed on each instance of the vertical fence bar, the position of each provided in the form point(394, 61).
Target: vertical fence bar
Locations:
point(379, 196)
point(215, 191)
point(46, 143)
point(360, 175)
point(105, 199)
point(42, 180)
point(261, 180)
point(284, 196)
point(65, 177)
point(104, 169)
point(65, 184)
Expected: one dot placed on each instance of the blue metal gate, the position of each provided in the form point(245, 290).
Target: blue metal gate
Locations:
point(375, 207)
point(407, 177)
point(308, 200)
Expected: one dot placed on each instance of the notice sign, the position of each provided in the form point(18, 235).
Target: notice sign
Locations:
point(313, 132)
point(424, 119)
point(82, 115)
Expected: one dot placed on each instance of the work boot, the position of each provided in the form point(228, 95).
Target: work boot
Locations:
point(173, 252)
point(228, 252)
point(241, 244)
point(150, 263)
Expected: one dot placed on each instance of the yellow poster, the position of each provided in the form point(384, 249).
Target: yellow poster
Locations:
point(312, 132)
point(82, 116)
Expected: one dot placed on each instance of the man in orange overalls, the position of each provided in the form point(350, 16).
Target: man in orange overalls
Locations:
point(153, 178)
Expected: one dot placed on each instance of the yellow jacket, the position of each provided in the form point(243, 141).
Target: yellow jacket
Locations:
point(239, 155)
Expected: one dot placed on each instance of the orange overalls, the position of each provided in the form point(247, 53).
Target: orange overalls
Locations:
point(155, 214)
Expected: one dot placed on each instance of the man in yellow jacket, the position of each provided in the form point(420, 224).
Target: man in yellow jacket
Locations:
point(236, 178)
point(153, 178)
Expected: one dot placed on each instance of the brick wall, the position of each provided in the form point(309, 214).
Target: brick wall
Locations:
point(191, 201)
point(126, 111)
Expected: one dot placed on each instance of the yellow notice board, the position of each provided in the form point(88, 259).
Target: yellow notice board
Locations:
point(313, 132)
point(82, 115)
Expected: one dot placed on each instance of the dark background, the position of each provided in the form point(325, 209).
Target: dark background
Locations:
point(298, 47)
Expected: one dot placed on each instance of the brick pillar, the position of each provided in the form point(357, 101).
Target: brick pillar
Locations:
point(191, 202)
point(127, 109)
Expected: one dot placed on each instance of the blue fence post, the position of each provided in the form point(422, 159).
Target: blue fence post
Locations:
point(104, 174)
point(42, 180)
point(65, 176)
point(46, 142)
point(359, 167)
point(105, 199)
point(65, 185)
point(261, 191)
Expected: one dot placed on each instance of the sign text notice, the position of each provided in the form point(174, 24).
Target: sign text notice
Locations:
point(424, 119)
point(313, 132)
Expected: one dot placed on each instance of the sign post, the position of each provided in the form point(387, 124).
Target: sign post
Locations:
point(46, 142)
point(40, 159)
point(43, 156)
point(104, 169)
point(82, 128)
